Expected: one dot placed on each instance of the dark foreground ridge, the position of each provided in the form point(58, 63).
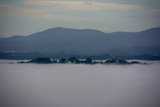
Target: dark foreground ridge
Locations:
point(74, 60)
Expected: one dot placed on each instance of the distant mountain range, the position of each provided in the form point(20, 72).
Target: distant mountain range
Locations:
point(60, 40)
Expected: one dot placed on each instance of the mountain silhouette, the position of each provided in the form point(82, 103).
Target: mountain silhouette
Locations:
point(84, 41)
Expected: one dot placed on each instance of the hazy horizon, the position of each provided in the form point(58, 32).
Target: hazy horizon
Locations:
point(25, 17)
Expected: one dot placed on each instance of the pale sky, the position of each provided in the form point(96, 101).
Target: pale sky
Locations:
point(24, 17)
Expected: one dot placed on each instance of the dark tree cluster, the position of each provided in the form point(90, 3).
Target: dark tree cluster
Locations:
point(75, 60)
point(41, 60)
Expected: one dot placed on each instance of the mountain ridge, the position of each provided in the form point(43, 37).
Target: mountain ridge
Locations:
point(63, 28)
point(80, 41)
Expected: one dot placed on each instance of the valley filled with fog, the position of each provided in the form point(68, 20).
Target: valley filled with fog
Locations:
point(79, 85)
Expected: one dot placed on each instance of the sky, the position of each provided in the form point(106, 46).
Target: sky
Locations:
point(24, 17)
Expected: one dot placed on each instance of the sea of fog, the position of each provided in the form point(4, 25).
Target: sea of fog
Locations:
point(71, 85)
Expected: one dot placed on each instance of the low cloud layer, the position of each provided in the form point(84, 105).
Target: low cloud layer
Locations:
point(28, 16)
point(77, 5)
point(50, 9)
